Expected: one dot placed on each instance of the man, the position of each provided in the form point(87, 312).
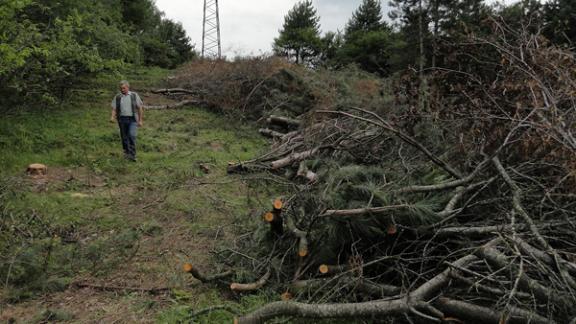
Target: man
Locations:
point(127, 110)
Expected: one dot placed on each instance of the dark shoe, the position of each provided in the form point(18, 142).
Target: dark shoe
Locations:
point(130, 157)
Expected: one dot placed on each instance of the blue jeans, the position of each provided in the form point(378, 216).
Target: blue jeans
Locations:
point(128, 127)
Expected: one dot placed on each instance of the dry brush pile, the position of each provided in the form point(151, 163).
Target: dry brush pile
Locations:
point(457, 209)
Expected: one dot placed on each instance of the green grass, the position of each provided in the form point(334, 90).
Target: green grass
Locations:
point(96, 208)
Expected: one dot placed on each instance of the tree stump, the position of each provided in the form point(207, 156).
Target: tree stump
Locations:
point(37, 169)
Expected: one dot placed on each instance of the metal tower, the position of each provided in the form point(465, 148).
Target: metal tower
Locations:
point(211, 46)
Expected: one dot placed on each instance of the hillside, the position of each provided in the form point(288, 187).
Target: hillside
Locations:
point(97, 221)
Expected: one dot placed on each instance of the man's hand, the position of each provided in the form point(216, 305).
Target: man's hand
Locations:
point(112, 119)
point(140, 123)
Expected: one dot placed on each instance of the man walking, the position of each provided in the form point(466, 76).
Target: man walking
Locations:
point(127, 110)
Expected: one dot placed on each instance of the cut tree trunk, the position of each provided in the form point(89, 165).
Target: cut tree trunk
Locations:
point(283, 121)
point(266, 132)
point(292, 158)
point(175, 91)
point(177, 105)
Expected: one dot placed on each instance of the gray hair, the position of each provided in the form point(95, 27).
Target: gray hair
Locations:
point(124, 83)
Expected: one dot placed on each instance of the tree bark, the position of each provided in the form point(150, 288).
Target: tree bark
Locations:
point(292, 158)
point(471, 313)
point(283, 121)
point(177, 105)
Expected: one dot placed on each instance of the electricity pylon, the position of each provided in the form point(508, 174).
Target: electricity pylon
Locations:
point(211, 46)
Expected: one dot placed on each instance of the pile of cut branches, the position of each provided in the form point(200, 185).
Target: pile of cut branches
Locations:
point(455, 209)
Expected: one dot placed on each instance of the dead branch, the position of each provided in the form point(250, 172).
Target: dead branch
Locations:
point(154, 291)
point(363, 211)
point(326, 269)
point(238, 287)
point(304, 172)
point(283, 121)
point(189, 268)
point(405, 137)
point(302, 310)
point(292, 158)
point(528, 249)
point(302, 242)
point(542, 293)
point(478, 314)
point(398, 306)
point(517, 203)
point(175, 91)
point(446, 185)
point(270, 133)
point(178, 105)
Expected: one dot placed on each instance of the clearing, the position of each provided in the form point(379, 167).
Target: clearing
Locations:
point(98, 220)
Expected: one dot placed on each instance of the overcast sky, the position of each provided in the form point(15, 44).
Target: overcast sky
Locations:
point(248, 27)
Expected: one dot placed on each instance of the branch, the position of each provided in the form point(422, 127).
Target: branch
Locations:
point(175, 91)
point(270, 133)
point(377, 308)
point(252, 286)
point(283, 121)
point(478, 314)
point(153, 291)
point(294, 157)
point(363, 211)
point(177, 105)
point(405, 137)
point(189, 268)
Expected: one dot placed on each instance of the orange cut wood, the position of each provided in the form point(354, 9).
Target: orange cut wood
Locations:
point(286, 296)
point(278, 204)
point(269, 217)
point(303, 252)
point(323, 269)
point(188, 267)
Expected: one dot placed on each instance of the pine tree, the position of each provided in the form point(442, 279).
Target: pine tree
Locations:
point(299, 38)
point(366, 40)
point(560, 18)
point(368, 17)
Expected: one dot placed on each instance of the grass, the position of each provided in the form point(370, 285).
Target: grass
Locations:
point(98, 217)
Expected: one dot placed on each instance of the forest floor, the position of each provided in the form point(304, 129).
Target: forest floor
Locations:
point(117, 223)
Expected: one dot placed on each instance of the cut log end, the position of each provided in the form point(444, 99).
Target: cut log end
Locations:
point(323, 269)
point(269, 217)
point(188, 267)
point(286, 296)
point(278, 204)
point(234, 286)
point(303, 252)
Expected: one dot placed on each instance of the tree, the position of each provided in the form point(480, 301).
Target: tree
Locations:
point(367, 18)
point(47, 46)
point(560, 19)
point(299, 38)
point(367, 39)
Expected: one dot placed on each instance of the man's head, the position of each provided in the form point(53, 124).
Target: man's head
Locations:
point(124, 87)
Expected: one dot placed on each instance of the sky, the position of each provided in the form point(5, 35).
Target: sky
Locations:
point(248, 27)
